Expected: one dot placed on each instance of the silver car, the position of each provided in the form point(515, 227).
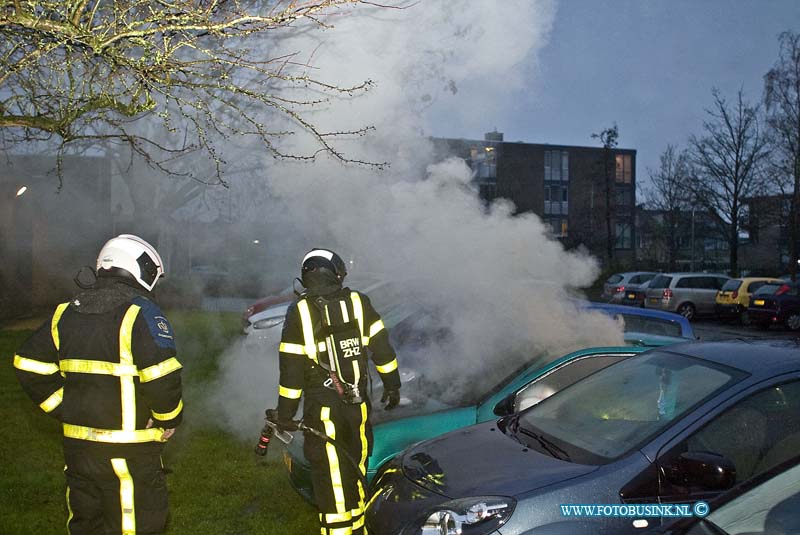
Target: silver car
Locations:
point(687, 294)
point(617, 284)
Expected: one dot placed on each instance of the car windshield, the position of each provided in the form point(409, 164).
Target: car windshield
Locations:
point(613, 279)
point(659, 282)
point(616, 409)
point(731, 285)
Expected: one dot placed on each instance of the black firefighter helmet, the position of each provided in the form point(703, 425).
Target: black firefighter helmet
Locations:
point(322, 267)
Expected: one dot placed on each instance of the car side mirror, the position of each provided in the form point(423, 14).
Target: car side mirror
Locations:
point(505, 406)
point(703, 469)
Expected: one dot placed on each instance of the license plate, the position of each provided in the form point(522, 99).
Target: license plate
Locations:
point(759, 302)
point(631, 296)
point(653, 299)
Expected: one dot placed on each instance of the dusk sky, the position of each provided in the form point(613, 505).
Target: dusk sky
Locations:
point(647, 65)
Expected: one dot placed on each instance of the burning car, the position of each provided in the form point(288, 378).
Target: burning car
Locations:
point(427, 410)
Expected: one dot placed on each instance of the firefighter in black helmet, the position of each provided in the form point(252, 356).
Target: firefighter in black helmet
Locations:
point(104, 365)
point(323, 354)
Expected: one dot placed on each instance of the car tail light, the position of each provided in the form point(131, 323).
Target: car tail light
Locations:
point(783, 289)
point(619, 289)
point(735, 294)
point(667, 293)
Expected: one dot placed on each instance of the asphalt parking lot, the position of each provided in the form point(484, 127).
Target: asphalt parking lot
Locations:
point(708, 329)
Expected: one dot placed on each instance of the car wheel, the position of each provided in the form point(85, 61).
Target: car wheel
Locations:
point(744, 317)
point(686, 310)
point(793, 321)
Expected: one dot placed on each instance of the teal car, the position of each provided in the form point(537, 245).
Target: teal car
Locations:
point(426, 412)
point(421, 419)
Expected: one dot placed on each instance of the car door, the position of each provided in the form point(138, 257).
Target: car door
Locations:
point(754, 434)
point(705, 292)
point(757, 429)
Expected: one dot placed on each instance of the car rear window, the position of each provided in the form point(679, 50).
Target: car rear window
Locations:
point(768, 289)
point(642, 324)
point(733, 285)
point(613, 279)
point(660, 281)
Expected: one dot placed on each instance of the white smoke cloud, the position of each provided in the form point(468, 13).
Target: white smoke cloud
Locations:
point(498, 281)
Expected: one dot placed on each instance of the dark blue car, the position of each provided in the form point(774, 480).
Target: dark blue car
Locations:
point(674, 425)
point(776, 304)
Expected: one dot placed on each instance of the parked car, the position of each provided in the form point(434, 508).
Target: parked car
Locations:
point(615, 286)
point(287, 295)
point(676, 424)
point(688, 294)
point(267, 324)
point(647, 327)
point(734, 297)
point(426, 414)
point(635, 294)
point(776, 304)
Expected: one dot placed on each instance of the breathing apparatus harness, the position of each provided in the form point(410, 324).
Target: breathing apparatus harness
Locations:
point(346, 355)
point(341, 333)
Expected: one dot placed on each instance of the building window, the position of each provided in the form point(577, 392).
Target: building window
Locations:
point(623, 236)
point(557, 226)
point(556, 199)
point(556, 165)
point(623, 197)
point(484, 162)
point(488, 192)
point(624, 169)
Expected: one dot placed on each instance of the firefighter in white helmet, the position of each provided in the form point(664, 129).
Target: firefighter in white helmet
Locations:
point(104, 365)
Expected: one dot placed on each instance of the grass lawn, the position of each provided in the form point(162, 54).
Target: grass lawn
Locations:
point(218, 486)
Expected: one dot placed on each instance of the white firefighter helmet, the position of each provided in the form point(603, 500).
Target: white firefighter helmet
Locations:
point(133, 255)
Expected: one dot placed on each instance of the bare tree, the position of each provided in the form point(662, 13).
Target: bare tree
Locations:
point(668, 194)
point(92, 69)
point(782, 100)
point(727, 160)
point(608, 137)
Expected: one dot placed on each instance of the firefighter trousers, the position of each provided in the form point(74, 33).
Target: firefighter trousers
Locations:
point(119, 496)
point(338, 491)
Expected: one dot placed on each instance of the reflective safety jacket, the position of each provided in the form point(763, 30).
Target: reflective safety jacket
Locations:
point(105, 375)
point(301, 352)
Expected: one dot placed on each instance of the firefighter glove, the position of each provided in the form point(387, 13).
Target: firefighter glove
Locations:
point(391, 397)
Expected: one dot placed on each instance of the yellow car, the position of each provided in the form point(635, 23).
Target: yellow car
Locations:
point(734, 297)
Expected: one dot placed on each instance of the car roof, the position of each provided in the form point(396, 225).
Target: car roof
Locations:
point(758, 357)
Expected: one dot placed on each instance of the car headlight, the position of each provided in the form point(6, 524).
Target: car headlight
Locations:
point(268, 323)
point(469, 516)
